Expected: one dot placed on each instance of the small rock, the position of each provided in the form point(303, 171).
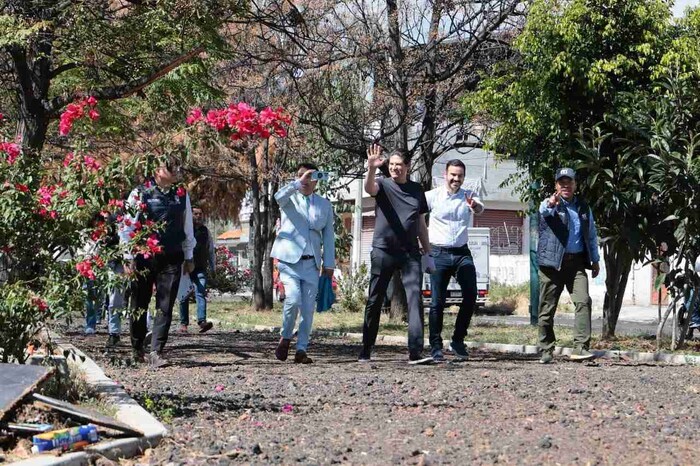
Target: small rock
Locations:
point(668, 430)
point(256, 449)
point(545, 442)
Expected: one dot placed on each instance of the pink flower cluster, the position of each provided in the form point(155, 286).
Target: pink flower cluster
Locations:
point(241, 121)
point(152, 247)
point(85, 267)
point(75, 111)
point(45, 195)
point(89, 162)
point(39, 303)
point(11, 150)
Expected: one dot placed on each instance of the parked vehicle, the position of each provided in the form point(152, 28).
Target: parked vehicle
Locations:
point(479, 245)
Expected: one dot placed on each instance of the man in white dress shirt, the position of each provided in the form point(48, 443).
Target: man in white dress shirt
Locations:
point(451, 208)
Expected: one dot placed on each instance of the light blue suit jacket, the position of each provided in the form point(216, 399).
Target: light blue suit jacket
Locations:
point(296, 227)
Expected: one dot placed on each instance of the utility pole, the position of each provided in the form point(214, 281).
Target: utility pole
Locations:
point(534, 277)
point(357, 227)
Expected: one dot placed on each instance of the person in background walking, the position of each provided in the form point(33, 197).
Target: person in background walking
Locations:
point(568, 245)
point(451, 210)
point(117, 296)
point(204, 257)
point(94, 297)
point(400, 205)
point(161, 201)
point(306, 227)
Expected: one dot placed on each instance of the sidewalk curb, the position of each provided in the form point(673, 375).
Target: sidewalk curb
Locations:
point(128, 412)
point(616, 355)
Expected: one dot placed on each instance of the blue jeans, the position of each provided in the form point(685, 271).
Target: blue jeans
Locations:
point(301, 286)
point(199, 280)
point(695, 312)
point(93, 304)
point(117, 303)
point(451, 262)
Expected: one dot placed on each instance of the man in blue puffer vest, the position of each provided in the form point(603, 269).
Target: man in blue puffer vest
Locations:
point(158, 200)
point(568, 245)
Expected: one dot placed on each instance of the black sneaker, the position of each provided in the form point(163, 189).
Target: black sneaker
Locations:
point(459, 350)
point(112, 341)
point(365, 356)
point(437, 355)
point(205, 326)
point(418, 358)
point(139, 357)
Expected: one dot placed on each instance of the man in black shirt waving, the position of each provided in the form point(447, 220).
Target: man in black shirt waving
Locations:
point(400, 205)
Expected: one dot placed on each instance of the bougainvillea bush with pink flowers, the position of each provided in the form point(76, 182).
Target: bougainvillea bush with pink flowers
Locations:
point(227, 277)
point(53, 205)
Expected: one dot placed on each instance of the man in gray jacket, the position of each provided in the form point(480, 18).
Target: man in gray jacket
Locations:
point(568, 245)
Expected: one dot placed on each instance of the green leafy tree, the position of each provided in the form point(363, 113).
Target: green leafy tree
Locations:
point(578, 60)
point(54, 52)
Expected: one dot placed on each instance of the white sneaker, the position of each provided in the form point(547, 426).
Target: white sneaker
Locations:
point(90, 331)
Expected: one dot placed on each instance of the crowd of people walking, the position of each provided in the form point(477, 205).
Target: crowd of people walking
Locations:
point(416, 232)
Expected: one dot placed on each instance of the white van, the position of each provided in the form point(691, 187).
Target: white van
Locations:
point(479, 245)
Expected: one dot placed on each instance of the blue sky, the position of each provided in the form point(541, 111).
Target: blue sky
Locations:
point(680, 5)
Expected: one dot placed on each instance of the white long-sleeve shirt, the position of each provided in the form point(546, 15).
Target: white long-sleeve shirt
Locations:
point(450, 216)
point(132, 204)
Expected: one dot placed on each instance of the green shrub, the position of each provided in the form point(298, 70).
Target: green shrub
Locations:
point(352, 289)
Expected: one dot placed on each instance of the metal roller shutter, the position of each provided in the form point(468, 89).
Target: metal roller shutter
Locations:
point(506, 227)
point(367, 234)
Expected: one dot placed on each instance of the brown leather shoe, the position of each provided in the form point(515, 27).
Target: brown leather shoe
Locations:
point(282, 350)
point(301, 358)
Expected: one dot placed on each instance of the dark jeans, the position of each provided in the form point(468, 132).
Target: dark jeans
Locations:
point(458, 263)
point(164, 271)
point(383, 266)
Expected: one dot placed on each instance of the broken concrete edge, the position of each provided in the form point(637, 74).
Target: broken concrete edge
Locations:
point(128, 412)
point(629, 355)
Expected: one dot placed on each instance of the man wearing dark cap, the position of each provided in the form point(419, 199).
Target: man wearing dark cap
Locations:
point(568, 245)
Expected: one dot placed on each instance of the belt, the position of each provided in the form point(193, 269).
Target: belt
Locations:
point(454, 250)
point(307, 257)
point(570, 256)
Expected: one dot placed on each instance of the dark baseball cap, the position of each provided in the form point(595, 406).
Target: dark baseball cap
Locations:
point(562, 172)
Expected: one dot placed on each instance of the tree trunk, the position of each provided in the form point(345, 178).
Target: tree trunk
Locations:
point(398, 312)
point(256, 244)
point(617, 267)
point(268, 227)
point(32, 86)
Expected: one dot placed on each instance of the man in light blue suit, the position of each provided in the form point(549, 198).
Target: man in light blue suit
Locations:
point(306, 227)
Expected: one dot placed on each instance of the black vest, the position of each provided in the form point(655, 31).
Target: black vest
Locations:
point(201, 250)
point(167, 208)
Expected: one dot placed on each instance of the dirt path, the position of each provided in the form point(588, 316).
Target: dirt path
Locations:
point(226, 399)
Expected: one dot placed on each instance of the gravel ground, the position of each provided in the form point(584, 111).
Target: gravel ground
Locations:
point(225, 399)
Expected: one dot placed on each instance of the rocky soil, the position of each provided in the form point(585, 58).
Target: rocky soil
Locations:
point(225, 399)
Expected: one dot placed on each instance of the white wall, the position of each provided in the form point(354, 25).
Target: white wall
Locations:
point(514, 270)
point(510, 269)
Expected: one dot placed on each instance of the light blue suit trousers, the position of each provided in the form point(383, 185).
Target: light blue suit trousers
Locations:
point(300, 286)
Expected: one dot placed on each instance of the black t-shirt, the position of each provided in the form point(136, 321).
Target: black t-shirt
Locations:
point(398, 209)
